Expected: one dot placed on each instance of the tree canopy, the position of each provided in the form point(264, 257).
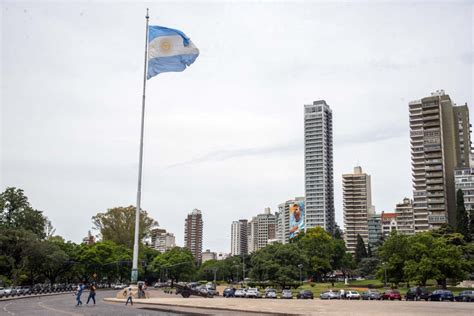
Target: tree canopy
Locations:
point(118, 225)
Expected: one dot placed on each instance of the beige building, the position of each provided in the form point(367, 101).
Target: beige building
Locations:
point(404, 217)
point(208, 255)
point(357, 202)
point(440, 141)
point(162, 240)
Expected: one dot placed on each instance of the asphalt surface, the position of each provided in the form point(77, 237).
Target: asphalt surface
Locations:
point(65, 304)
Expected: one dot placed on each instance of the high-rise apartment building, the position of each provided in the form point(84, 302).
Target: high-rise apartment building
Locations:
point(319, 183)
point(239, 238)
point(404, 217)
point(261, 229)
point(440, 141)
point(283, 219)
point(464, 180)
point(162, 240)
point(357, 202)
point(193, 233)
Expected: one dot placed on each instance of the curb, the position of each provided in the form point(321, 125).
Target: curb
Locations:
point(117, 300)
point(13, 298)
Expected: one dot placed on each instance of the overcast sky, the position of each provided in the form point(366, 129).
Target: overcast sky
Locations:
point(226, 135)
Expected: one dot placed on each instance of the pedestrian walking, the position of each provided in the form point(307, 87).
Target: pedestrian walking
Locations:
point(80, 289)
point(129, 299)
point(91, 294)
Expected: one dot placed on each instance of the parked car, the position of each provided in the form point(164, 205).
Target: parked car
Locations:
point(417, 293)
point(305, 294)
point(441, 295)
point(286, 294)
point(371, 295)
point(119, 286)
point(391, 295)
point(240, 293)
point(229, 292)
point(352, 295)
point(10, 291)
point(271, 293)
point(330, 295)
point(212, 290)
point(253, 293)
point(2, 292)
point(465, 296)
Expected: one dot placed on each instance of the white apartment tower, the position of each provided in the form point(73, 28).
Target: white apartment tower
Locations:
point(261, 229)
point(404, 216)
point(358, 208)
point(319, 183)
point(239, 238)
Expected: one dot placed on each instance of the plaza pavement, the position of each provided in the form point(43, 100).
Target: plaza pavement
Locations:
point(310, 307)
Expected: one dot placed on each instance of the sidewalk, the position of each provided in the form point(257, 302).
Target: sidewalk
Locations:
point(311, 307)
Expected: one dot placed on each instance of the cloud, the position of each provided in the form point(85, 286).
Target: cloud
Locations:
point(221, 155)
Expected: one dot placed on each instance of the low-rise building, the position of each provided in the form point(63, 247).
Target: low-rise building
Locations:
point(208, 255)
point(161, 240)
point(388, 222)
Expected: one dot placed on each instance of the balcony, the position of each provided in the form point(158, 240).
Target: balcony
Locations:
point(434, 174)
point(436, 201)
point(433, 161)
point(435, 181)
point(436, 207)
point(434, 168)
point(428, 112)
point(435, 188)
point(431, 118)
point(437, 219)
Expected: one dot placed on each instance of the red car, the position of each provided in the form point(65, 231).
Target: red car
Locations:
point(391, 295)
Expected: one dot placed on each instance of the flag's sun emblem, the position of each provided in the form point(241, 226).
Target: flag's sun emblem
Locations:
point(165, 46)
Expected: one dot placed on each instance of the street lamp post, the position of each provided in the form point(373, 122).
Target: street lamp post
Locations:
point(301, 267)
point(385, 273)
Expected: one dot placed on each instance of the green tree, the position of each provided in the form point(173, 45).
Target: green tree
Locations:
point(420, 265)
point(462, 218)
point(360, 251)
point(178, 264)
point(369, 251)
point(118, 225)
point(368, 267)
point(17, 213)
point(279, 263)
point(393, 254)
point(318, 247)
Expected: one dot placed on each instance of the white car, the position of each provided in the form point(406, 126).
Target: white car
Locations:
point(271, 294)
point(240, 293)
point(2, 291)
point(119, 286)
point(352, 295)
point(253, 293)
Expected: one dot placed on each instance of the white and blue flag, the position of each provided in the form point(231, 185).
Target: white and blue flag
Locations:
point(169, 50)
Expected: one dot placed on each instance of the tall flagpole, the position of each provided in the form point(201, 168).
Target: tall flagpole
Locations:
point(134, 277)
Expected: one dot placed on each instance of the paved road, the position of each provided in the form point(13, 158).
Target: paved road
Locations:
point(61, 305)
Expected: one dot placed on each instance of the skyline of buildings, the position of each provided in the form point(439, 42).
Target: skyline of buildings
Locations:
point(440, 159)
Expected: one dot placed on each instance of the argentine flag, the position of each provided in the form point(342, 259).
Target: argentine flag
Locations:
point(169, 50)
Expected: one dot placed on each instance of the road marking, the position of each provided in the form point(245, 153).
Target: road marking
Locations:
point(58, 310)
point(6, 310)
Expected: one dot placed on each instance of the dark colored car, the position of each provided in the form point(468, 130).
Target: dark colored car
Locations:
point(465, 296)
point(391, 295)
point(229, 292)
point(371, 295)
point(417, 293)
point(305, 294)
point(441, 295)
